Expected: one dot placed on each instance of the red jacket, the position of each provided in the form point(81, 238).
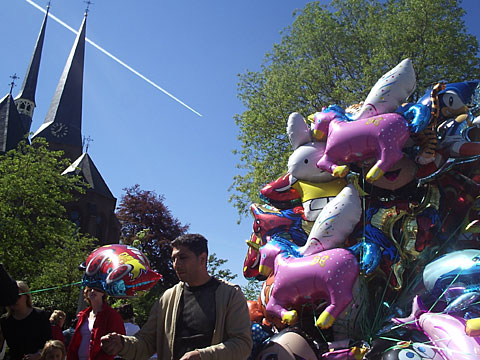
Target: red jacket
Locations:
point(108, 320)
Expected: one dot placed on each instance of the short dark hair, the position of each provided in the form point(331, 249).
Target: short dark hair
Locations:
point(196, 243)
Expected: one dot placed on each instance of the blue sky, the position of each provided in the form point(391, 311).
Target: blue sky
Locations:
point(192, 49)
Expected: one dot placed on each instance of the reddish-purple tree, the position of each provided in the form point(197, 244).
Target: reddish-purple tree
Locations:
point(147, 223)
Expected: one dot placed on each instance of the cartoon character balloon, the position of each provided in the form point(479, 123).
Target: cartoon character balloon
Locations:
point(414, 351)
point(119, 270)
point(304, 183)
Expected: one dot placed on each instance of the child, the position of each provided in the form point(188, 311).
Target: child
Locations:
point(53, 350)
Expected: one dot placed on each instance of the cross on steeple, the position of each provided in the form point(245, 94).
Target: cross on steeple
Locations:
point(12, 84)
point(86, 142)
point(88, 2)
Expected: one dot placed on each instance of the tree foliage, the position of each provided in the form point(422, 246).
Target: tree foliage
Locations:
point(334, 55)
point(214, 265)
point(39, 243)
point(252, 289)
point(148, 222)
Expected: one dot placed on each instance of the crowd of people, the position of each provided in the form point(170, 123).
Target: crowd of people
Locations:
point(201, 317)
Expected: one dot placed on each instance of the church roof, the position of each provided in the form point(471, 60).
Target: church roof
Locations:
point(11, 128)
point(85, 167)
point(29, 85)
point(63, 122)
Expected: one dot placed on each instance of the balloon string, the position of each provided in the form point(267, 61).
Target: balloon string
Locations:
point(364, 195)
point(50, 288)
point(435, 303)
point(439, 250)
point(315, 320)
point(397, 258)
point(374, 324)
point(448, 287)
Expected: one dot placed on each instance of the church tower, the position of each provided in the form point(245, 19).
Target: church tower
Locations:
point(11, 128)
point(94, 211)
point(63, 123)
point(25, 100)
point(16, 115)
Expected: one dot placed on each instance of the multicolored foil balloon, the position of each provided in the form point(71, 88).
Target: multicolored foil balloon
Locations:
point(446, 332)
point(335, 222)
point(119, 270)
point(381, 137)
point(390, 91)
point(412, 351)
point(451, 271)
point(329, 275)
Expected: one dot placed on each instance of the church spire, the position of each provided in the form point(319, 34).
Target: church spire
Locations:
point(63, 123)
point(11, 128)
point(25, 100)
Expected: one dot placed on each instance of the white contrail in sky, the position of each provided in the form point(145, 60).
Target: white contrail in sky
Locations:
point(114, 58)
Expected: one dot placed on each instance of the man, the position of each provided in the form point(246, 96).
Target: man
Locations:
point(199, 318)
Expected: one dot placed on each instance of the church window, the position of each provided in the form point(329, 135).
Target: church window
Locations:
point(99, 229)
point(75, 217)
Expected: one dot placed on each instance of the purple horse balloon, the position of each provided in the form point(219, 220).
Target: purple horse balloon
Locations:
point(381, 137)
point(329, 275)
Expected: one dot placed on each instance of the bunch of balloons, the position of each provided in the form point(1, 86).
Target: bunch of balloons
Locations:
point(377, 217)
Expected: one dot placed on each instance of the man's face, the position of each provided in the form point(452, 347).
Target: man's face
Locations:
point(186, 264)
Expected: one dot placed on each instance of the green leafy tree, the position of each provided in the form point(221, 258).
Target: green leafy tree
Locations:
point(334, 55)
point(214, 265)
point(61, 276)
point(39, 243)
point(252, 289)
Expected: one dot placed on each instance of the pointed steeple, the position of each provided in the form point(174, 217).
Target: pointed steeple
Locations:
point(25, 100)
point(11, 128)
point(62, 127)
point(85, 167)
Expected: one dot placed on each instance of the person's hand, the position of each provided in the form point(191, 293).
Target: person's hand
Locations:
point(191, 355)
point(112, 343)
point(35, 356)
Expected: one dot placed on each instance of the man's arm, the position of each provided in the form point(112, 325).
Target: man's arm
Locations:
point(140, 346)
point(237, 332)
